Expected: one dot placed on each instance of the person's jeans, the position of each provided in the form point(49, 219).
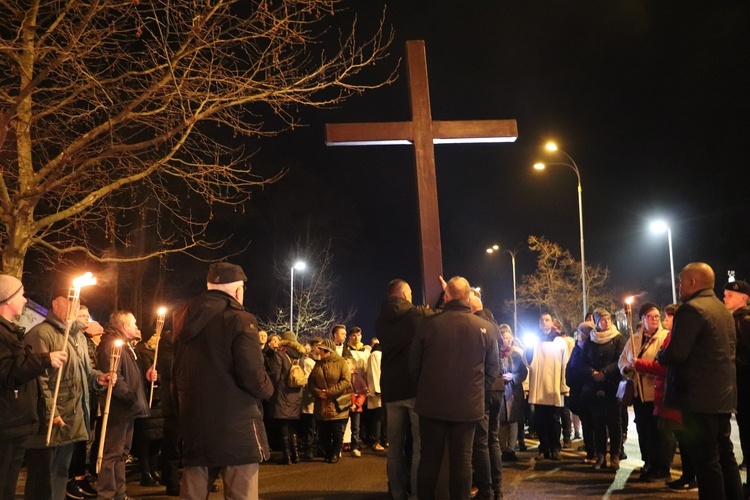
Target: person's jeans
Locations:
point(111, 481)
point(458, 436)
point(355, 419)
point(47, 472)
point(402, 470)
point(331, 436)
point(497, 399)
point(480, 459)
point(605, 414)
point(240, 481)
point(11, 458)
point(710, 446)
point(376, 425)
point(547, 423)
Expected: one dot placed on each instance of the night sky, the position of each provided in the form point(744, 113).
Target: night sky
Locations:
point(651, 99)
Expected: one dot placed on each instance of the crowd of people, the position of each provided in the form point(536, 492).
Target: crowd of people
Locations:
point(435, 385)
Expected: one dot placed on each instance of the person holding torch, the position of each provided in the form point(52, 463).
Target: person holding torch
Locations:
point(128, 401)
point(47, 464)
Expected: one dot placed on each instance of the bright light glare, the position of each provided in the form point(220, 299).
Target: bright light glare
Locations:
point(530, 339)
point(539, 166)
point(85, 280)
point(659, 226)
point(300, 265)
point(551, 146)
point(630, 300)
point(495, 247)
point(489, 250)
point(162, 311)
point(119, 343)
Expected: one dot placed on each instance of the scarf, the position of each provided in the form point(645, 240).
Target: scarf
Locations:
point(605, 336)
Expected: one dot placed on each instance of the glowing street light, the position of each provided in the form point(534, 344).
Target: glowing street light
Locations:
point(659, 226)
point(299, 266)
point(512, 253)
point(552, 147)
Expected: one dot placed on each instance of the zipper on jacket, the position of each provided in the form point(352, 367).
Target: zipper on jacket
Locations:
point(263, 456)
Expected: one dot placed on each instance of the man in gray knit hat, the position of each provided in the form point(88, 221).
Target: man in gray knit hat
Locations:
point(19, 368)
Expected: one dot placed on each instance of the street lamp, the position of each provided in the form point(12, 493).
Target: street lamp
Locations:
point(299, 266)
point(512, 253)
point(659, 226)
point(551, 146)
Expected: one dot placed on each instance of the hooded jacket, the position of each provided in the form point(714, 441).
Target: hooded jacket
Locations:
point(286, 401)
point(19, 368)
point(395, 328)
point(218, 382)
point(77, 376)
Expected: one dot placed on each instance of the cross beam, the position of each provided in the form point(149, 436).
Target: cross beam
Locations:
point(423, 132)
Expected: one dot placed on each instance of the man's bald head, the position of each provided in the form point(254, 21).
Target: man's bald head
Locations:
point(457, 289)
point(695, 277)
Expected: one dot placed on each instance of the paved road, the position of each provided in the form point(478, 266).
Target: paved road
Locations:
point(365, 478)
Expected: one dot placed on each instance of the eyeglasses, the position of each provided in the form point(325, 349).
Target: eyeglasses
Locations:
point(653, 316)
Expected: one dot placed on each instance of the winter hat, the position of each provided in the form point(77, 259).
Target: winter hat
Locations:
point(738, 286)
point(586, 328)
point(9, 286)
point(646, 307)
point(224, 272)
point(598, 313)
point(289, 336)
point(327, 345)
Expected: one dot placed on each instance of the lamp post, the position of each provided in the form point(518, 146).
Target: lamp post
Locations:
point(659, 226)
point(299, 266)
point(551, 146)
point(512, 253)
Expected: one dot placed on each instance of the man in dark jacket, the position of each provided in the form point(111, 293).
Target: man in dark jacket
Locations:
point(395, 328)
point(219, 381)
point(736, 294)
point(453, 357)
point(701, 381)
point(19, 369)
point(128, 402)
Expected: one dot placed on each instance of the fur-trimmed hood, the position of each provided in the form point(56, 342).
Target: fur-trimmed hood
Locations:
point(292, 348)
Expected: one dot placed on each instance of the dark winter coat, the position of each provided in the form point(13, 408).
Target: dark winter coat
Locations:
point(218, 382)
point(742, 327)
point(395, 328)
point(513, 408)
point(602, 358)
point(701, 371)
point(19, 368)
point(164, 369)
point(151, 427)
point(576, 376)
point(331, 374)
point(453, 358)
point(129, 400)
point(73, 404)
point(286, 401)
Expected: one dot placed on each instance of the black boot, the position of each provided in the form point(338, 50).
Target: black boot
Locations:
point(286, 459)
point(294, 453)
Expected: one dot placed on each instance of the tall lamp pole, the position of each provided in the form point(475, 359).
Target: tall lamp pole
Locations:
point(659, 226)
point(551, 146)
point(512, 253)
point(299, 266)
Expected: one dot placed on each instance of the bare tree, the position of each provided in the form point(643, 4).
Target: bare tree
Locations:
point(102, 101)
point(556, 287)
point(315, 308)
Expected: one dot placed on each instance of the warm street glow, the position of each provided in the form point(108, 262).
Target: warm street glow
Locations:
point(162, 311)
point(119, 343)
point(630, 300)
point(489, 250)
point(495, 247)
point(539, 166)
point(300, 265)
point(551, 146)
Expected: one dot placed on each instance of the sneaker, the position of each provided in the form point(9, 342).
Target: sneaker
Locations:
point(600, 462)
point(378, 447)
point(85, 488)
point(356, 453)
point(72, 490)
point(682, 485)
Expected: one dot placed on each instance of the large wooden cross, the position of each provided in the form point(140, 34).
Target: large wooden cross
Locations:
point(423, 133)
